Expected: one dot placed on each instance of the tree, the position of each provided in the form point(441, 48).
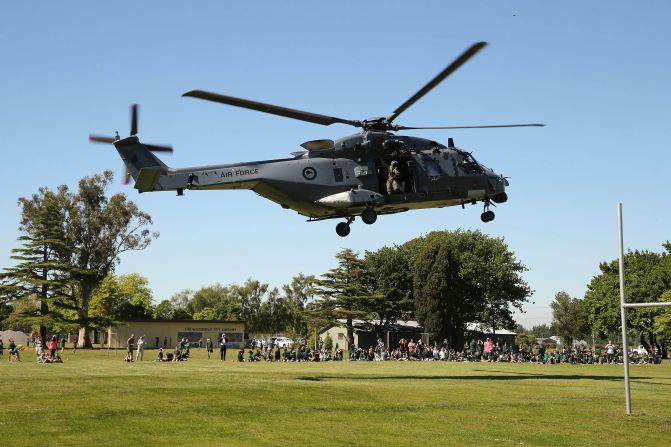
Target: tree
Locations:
point(5, 311)
point(341, 291)
point(328, 342)
point(87, 232)
point(647, 279)
point(40, 275)
point(464, 276)
point(221, 303)
point(273, 315)
point(569, 318)
point(298, 294)
point(541, 331)
point(389, 295)
point(120, 298)
point(100, 229)
point(250, 297)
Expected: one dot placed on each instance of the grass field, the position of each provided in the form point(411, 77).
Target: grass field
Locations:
point(95, 399)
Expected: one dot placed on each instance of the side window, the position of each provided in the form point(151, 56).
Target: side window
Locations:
point(337, 173)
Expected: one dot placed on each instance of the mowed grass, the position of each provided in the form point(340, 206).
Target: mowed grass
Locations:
point(95, 399)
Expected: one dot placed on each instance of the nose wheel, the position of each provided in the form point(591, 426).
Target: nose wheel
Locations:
point(369, 216)
point(343, 229)
point(488, 215)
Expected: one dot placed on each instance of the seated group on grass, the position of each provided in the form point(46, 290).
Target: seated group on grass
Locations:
point(488, 351)
point(301, 354)
point(180, 354)
point(47, 357)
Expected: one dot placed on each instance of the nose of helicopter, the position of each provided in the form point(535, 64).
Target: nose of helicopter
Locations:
point(498, 184)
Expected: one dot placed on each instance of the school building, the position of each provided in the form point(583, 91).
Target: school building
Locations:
point(161, 333)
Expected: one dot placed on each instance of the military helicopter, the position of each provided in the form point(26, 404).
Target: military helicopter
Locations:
point(371, 173)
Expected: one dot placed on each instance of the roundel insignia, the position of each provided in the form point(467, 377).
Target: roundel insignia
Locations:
point(309, 173)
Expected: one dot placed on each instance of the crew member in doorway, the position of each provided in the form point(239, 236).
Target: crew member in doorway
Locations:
point(395, 183)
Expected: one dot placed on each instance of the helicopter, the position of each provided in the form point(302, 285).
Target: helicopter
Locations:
point(371, 173)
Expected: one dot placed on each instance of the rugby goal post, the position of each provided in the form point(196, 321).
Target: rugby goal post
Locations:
point(623, 312)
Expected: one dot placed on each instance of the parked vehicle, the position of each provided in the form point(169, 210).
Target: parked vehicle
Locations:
point(640, 350)
point(283, 342)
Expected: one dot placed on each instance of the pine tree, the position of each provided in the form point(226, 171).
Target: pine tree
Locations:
point(40, 274)
point(342, 291)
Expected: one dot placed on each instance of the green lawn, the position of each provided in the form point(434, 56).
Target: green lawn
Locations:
point(96, 399)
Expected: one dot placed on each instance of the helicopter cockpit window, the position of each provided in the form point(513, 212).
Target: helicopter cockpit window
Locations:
point(469, 164)
point(337, 173)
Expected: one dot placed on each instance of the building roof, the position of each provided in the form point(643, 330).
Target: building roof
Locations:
point(367, 326)
point(414, 326)
point(481, 328)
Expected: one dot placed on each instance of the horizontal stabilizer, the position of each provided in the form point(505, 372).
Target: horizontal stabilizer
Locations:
point(147, 178)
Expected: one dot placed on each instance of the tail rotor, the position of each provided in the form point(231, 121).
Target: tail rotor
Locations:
point(133, 132)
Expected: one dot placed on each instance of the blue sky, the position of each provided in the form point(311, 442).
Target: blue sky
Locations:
point(597, 73)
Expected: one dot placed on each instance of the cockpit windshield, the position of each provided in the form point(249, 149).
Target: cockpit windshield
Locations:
point(470, 165)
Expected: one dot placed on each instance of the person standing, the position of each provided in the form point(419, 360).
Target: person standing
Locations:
point(222, 347)
point(37, 345)
point(610, 352)
point(488, 349)
point(2, 348)
point(140, 349)
point(208, 346)
point(129, 347)
point(52, 345)
point(13, 350)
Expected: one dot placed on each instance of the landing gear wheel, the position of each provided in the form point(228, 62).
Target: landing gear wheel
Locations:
point(369, 216)
point(342, 229)
point(487, 216)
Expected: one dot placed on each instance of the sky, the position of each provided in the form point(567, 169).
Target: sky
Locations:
point(596, 73)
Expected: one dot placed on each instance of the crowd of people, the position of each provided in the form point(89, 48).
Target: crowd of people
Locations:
point(42, 355)
point(300, 354)
point(489, 351)
point(472, 351)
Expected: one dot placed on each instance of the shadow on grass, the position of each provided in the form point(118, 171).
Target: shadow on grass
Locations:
point(507, 375)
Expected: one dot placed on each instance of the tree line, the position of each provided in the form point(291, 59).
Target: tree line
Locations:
point(597, 314)
point(63, 278)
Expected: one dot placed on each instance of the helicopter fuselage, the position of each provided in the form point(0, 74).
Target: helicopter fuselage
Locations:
point(323, 182)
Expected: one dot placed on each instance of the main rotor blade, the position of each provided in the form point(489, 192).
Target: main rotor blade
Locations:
point(438, 79)
point(272, 109)
point(133, 119)
point(467, 127)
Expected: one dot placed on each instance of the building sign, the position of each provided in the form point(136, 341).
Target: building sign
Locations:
point(211, 329)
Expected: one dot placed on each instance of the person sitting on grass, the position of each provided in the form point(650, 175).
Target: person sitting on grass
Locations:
point(53, 359)
point(159, 357)
point(241, 355)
